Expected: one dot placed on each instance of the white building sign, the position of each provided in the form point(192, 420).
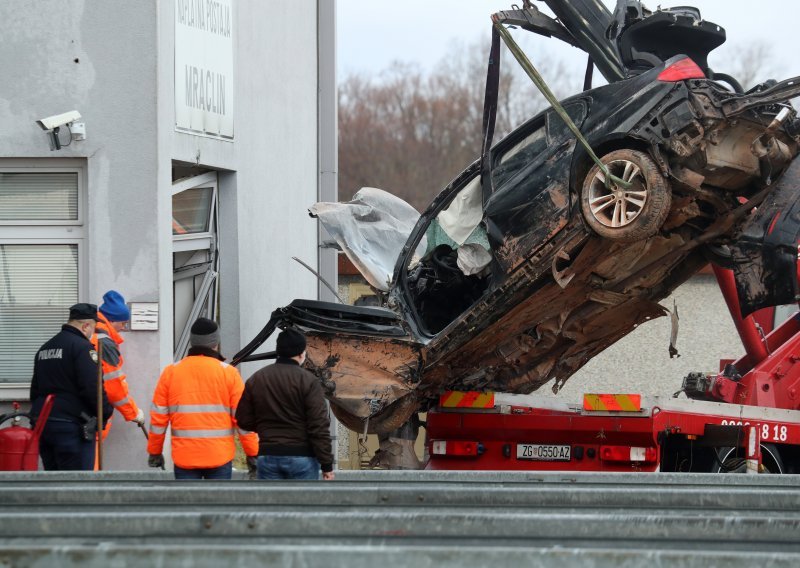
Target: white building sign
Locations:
point(204, 67)
point(144, 316)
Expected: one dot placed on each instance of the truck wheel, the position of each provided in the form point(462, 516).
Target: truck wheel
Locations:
point(629, 214)
point(732, 460)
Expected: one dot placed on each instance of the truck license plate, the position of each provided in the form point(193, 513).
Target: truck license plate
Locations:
point(543, 452)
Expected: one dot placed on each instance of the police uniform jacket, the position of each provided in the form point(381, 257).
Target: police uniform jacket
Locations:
point(66, 366)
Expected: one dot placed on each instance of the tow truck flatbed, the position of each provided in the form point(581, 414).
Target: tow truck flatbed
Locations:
point(529, 432)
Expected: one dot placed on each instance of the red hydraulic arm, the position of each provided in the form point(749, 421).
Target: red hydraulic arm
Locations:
point(769, 374)
point(751, 339)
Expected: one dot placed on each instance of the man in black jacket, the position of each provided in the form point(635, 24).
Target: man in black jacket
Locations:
point(66, 366)
point(284, 403)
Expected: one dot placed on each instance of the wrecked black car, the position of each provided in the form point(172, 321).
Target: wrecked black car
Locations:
point(535, 259)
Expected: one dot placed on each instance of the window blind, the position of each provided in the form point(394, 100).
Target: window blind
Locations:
point(38, 284)
point(28, 196)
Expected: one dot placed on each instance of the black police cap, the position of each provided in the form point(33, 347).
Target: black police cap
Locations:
point(83, 312)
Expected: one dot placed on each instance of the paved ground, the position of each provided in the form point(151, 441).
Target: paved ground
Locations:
point(640, 362)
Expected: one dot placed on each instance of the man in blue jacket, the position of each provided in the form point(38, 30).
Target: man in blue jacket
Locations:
point(66, 366)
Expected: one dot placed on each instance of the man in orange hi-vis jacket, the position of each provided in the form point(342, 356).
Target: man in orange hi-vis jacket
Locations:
point(197, 397)
point(112, 315)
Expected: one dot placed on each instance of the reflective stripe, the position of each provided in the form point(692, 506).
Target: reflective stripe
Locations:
point(196, 408)
point(112, 375)
point(159, 409)
point(121, 402)
point(224, 364)
point(158, 429)
point(244, 432)
point(202, 433)
point(102, 335)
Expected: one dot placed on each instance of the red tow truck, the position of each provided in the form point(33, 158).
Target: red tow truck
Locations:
point(746, 418)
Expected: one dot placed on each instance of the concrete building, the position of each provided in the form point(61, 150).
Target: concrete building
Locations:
point(206, 129)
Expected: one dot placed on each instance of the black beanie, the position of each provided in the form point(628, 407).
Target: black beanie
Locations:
point(291, 343)
point(204, 333)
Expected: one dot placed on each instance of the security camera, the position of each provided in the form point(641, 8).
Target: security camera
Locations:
point(52, 125)
point(57, 120)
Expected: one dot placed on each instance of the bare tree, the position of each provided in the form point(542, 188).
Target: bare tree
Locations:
point(410, 133)
point(750, 63)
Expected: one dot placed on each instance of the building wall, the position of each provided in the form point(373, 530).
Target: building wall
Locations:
point(269, 173)
point(99, 59)
point(113, 61)
point(280, 148)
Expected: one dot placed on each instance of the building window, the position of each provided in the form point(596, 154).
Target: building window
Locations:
point(191, 211)
point(38, 196)
point(41, 242)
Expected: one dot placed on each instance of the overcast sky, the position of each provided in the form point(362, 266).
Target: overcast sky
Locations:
point(373, 33)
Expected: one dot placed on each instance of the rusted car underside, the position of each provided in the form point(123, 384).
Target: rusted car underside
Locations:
point(558, 292)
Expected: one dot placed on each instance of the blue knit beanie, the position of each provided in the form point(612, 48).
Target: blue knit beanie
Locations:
point(114, 307)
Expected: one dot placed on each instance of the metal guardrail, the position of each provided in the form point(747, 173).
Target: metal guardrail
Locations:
point(400, 518)
point(414, 476)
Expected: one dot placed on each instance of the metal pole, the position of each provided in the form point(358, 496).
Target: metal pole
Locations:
point(99, 404)
point(327, 159)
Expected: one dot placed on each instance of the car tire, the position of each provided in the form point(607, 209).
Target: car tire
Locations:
point(626, 215)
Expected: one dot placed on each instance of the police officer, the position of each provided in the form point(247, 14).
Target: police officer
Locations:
point(66, 366)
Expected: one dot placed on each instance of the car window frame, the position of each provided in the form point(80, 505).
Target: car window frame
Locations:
point(398, 289)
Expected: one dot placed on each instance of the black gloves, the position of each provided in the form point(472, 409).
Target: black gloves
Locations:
point(252, 467)
point(156, 460)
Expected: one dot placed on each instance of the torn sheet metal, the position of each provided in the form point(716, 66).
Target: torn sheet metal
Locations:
point(765, 253)
point(673, 334)
point(365, 377)
point(371, 229)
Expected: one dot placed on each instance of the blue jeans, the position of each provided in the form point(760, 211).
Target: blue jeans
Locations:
point(221, 472)
point(62, 447)
point(287, 467)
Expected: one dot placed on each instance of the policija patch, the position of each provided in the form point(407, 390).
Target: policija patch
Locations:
point(93, 355)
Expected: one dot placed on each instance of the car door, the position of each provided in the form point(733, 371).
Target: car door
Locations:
point(530, 199)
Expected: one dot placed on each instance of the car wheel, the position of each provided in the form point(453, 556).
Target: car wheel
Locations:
point(628, 214)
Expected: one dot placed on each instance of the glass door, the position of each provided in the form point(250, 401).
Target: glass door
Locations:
point(195, 255)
